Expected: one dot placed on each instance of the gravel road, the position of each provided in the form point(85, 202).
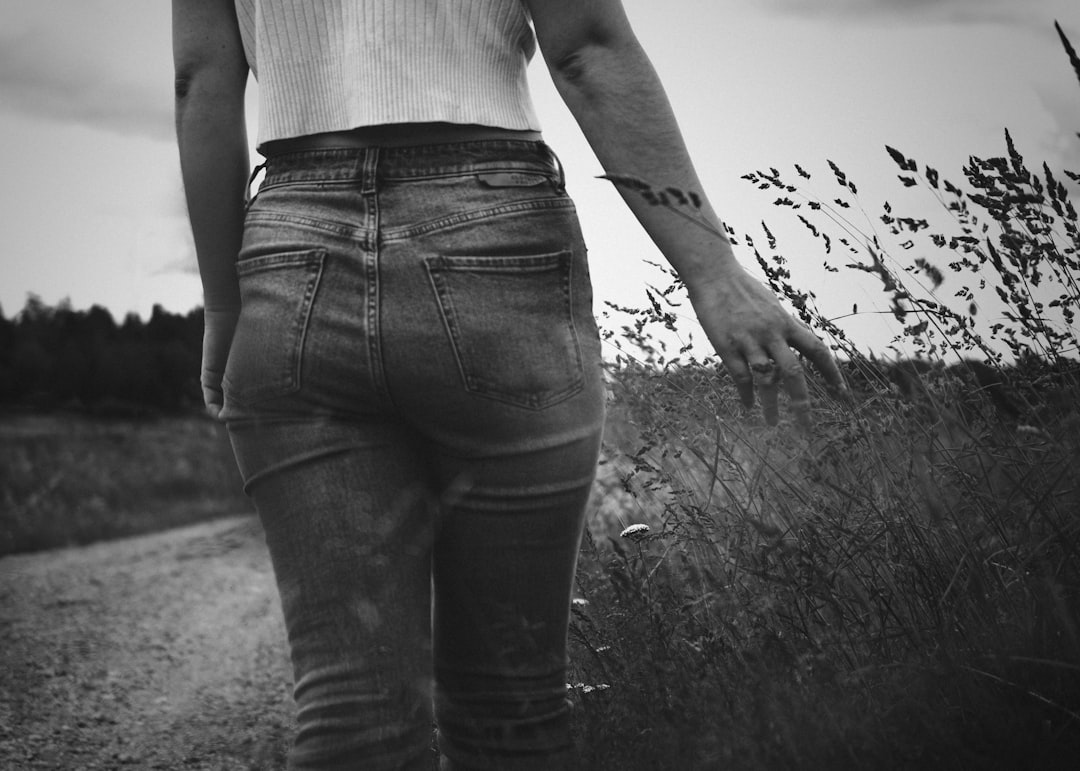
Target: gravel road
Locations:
point(164, 651)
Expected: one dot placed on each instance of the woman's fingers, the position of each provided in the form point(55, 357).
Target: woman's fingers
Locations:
point(740, 373)
point(220, 325)
point(758, 342)
point(766, 379)
point(770, 369)
point(810, 346)
point(765, 373)
point(213, 398)
point(793, 378)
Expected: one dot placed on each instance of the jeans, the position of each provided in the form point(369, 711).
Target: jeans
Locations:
point(415, 401)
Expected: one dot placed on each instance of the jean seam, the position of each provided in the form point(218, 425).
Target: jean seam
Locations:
point(336, 228)
point(454, 220)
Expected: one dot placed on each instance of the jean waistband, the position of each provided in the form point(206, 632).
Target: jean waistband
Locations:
point(395, 135)
point(412, 162)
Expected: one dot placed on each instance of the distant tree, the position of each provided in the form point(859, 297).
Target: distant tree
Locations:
point(7, 343)
point(99, 324)
point(57, 356)
point(163, 326)
point(33, 373)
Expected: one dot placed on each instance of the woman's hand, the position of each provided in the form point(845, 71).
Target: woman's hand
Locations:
point(217, 338)
point(754, 337)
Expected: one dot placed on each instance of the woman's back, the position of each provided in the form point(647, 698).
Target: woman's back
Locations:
point(336, 65)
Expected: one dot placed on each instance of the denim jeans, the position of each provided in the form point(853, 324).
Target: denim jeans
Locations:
point(415, 400)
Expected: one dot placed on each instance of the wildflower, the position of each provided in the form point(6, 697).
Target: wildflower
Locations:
point(1026, 431)
point(588, 688)
point(635, 532)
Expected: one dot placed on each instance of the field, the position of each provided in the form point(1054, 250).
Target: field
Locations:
point(897, 589)
point(67, 479)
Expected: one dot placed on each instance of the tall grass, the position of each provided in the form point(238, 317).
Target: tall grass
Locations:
point(898, 589)
point(67, 479)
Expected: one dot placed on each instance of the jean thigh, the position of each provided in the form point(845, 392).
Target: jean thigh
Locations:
point(349, 527)
point(504, 565)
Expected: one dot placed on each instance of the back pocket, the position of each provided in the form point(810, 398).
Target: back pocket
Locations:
point(276, 296)
point(510, 324)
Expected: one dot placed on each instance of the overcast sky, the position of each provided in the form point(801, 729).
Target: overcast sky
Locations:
point(90, 185)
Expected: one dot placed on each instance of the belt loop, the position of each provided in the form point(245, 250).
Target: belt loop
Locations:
point(560, 175)
point(248, 197)
point(369, 171)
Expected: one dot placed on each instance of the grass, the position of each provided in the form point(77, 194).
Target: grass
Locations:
point(899, 588)
point(68, 479)
point(880, 594)
point(797, 601)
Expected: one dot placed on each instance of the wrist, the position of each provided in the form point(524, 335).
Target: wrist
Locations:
point(717, 274)
point(221, 309)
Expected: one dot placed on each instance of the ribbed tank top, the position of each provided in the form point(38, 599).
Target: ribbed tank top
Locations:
point(334, 65)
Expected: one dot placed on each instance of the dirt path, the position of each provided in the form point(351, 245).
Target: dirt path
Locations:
point(159, 652)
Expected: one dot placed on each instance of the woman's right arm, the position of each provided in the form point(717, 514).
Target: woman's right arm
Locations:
point(211, 74)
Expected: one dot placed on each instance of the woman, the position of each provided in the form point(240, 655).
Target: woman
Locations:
point(399, 335)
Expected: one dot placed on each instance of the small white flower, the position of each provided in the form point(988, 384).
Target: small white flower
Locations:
point(588, 688)
point(1031, 432)
point(635, 532)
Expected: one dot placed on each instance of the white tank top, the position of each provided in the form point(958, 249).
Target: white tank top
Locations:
point(334, 65)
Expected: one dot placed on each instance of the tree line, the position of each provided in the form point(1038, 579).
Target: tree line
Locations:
point(61, 358)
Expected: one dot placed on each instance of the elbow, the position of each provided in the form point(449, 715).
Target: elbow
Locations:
point(189, 79)
point(198, 75)
point(181, 86)
point(186, 88)
point(591, 64)
point(208, 95)
point(574, 63)
point(579, 73)
point(571, 68)
point(189, 70)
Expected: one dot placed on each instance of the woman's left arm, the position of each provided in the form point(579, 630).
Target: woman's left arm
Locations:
point(211, 74)
point(607, 81)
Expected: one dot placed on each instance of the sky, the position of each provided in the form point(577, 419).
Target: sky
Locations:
point(93, 205)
